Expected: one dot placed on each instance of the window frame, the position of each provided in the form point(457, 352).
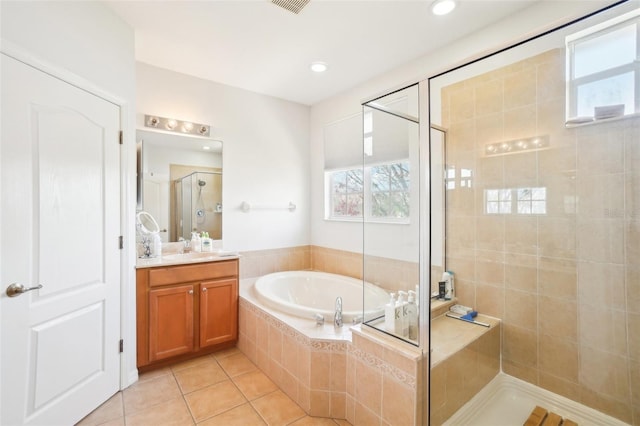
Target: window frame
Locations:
point(573, 84)
point(367, 195)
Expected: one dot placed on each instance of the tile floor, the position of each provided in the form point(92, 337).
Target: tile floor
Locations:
point(224, 388)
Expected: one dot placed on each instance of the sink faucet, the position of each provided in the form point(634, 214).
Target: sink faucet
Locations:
point(337, 317)
point(186, 245)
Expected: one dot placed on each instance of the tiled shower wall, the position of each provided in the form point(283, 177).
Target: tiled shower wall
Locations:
point(566, 282)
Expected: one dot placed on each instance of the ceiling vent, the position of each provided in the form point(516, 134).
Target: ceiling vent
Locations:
point(294, 6)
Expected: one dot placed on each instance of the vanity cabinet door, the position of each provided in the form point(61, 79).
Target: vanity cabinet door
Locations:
point(218, 311)
point(170, 321)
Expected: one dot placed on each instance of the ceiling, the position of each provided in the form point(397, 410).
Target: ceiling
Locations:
point(261, 47)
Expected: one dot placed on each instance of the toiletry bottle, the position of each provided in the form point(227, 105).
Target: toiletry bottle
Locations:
point(390, 314)
point(417, 295)
point(453, 286)
point(412, 315)
point(196, 242)
point(448, 291)
point(441, 289)
point(206, 242)
point(403, 330)
point(157, 245)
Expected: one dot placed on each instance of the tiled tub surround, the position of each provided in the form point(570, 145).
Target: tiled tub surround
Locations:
point(390, 274)
point(465, 357)
point(565, 283)
point(332, 372)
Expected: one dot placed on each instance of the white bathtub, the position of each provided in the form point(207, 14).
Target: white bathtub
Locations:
point(307, 293)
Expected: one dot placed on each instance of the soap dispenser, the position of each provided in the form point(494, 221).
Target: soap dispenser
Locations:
point(157, 244)
point(196, 242)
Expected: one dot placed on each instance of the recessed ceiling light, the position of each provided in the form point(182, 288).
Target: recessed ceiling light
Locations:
point(318, 66)
point(442, 7)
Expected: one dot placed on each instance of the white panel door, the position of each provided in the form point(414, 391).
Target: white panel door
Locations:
point(152, 203)
point(59, 228)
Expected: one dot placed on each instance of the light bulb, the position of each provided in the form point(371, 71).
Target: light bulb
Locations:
point(318, 66)
point(442, 7)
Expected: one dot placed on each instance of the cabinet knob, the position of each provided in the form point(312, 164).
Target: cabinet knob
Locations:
point(190, 291)
point(204, 289)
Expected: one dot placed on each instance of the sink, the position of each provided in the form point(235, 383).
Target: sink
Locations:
point(186, 257)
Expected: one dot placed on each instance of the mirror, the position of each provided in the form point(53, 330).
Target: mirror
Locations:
point(180, 183)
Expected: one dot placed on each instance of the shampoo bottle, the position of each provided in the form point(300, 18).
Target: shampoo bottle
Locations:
point(412, 315)
point(403, 327)
point(390, 314)
point(448, 285)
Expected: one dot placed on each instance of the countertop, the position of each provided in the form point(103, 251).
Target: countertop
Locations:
point(185, 258)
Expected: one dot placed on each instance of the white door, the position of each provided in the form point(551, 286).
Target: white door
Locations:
point(59, 228)
point(152, 203)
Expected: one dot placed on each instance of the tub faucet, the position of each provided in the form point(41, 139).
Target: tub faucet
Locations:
point(337, 317)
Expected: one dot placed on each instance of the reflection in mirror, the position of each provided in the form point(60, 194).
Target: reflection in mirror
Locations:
point(181, 181)
point(146, 223)
point(391, 208)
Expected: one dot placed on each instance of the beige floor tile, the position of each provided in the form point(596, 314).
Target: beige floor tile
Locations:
point(313, 421)
point(157, 398)
point(226, 353)
point(243, 415)
point(112, 409)
point(200, 376)
point(277, 408)
point(237, 364)
point(115, 422)
point(191, 363)
point(173, 412)
point(154, 374)
point(254, 384)
point(146, 394)
point(213, 400)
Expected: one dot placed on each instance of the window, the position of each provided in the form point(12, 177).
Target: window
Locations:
point(383, 188)
point(604, 69)
point(347, 193)
point(390, 191)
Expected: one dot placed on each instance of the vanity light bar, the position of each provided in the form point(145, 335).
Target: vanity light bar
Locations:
point(517, 145)
point(178, 126)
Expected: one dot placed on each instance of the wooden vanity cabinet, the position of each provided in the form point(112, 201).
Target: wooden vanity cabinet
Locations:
point(185, 311)
point(170, 321)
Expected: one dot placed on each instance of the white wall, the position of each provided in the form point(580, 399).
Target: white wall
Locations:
point(265, 153)
point(348, 236)
point(89, 45)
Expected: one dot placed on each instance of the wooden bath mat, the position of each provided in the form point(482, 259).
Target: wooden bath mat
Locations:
point(541, 417)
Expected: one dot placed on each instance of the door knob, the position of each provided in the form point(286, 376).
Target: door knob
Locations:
point(16, 289)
